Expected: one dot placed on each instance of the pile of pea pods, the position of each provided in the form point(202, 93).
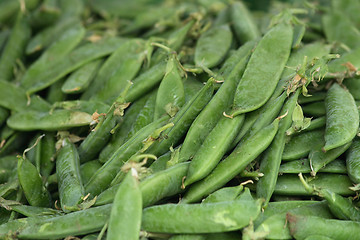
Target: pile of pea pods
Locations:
point(179, 120)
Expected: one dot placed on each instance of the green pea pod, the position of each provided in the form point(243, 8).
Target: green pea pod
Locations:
point(314, 97)
point(45, 15)
point(183, 119)
point(338, 66)
point(275, 225)
point(76, 223)
point(71, 190)
point(353, 160)
point(122, 132)
point(270, 163)
point(54, 94)
point(342, 117)
point(4, 35)
point(57, 120)
point(14, 48)
point(121, 67)
point(13, 143)
point(300, 145)
point(88, 169)
point(353, 85)
point(170, 96)
point(200, 218)
point(80, 79)
point(213, 148)
point(157, 186)
point(46, 37)
point(224, 194)
point(103, 177)
point(127, 202)
point(62, 66)
point(89, 107)
point(303, 166)
point(243, 23)
point(32, 184)
point(210, 115)
point(261, 77)
point(32, 211)
point(319, 159)
point(146, 81)
point(290, 185)
point(212, 46)
point(13, 97)
point(339, 28)
point(59, 49)
point(70, 8)
point(302, 227)
point(233, 164)
point(348, 8)
point(340, 207)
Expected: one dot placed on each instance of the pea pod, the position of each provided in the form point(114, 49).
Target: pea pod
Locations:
point(62, 66)
point(213, 148)
point(209, 116)
point(170, 96)
point(302, 227)
point(352, 161)
point(45, 15)
point(303, 166)
point(260, 78)
point(88, 169)
point(127, 202)
point(236, 214)
point(224, 194)
point(103, 177)
point(14, 48)
point(58, 119)
point(270, 163)
point(243, 23)
point(31, 183)
point(342, 117)
point(233, 164)
point(80, 79)
point(71, 190)
point(212, 46)
point(121, 67)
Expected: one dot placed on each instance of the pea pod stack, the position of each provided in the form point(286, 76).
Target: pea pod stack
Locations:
point(179, 119)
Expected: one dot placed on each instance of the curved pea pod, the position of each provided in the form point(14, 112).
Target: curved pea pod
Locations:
point(275, 225)
point(45, 15)
point(353, 161)
point(235, 163)
point(71, 189)
point(210, 115)
point(183, 119)
point(303, 166)
point(103, 177)
point(170, 95)
point(32, 184)
point(88, 169)
point(340, 207)
point(243, 23)
point(339, 28)
point(89, 107)
point(76, 223)
point(80, 79)
point(302, 227)
point(58, 50)
point(32, 211)
point(70, 8)
point(14, 48)
point(300, 145)
point(342, 117)
point(213, 148)
point(261, 77)
point(224, 194)
point(57, 120)
point(126, 211)
point(145, 115)
point(120, 68)
point(146, 81)
point(13, 97)
point(62, 66)
point(123, 129)
point(271, 160)
point(319, 159)
point(212, 46)
point(200, 218)
point(49, 35)
point(290, 184)
point(353, 85)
